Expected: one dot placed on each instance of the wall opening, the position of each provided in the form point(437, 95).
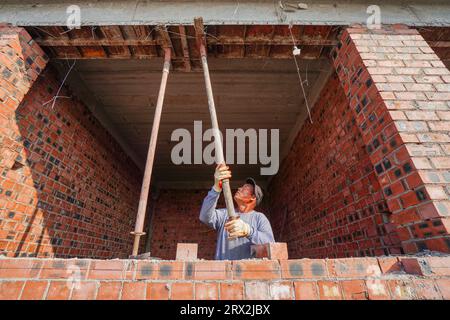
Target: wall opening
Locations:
point(72, 189)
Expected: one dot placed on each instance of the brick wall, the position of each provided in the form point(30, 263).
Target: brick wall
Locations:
point(176, 220)
point(440, 34)
point(399, 91)
point(354, 278)
point(66, 187)
point(325, 199)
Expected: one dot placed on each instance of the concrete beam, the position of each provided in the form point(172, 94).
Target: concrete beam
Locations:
point(328, 12)
point(78, 87)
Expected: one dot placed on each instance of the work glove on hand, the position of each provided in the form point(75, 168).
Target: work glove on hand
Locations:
point(237, 228)
point(222, 172)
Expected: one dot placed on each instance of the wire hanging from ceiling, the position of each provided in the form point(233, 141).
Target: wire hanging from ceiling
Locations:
point(295, 52)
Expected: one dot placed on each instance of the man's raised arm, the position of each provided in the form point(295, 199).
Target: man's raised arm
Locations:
point(208, 213)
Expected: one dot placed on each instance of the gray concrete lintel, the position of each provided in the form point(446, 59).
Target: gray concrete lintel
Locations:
point(321, 12)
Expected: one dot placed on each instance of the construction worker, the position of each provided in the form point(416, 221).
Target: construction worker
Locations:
point(252, 227)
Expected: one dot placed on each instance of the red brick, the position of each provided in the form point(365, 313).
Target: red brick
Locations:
point(208, 270)
point(171, 270)
point(10, 290)
point(59, 290)
point(329, 290)
point(84, 290)
point(389, 265)
point(401, 290)
point(108, 270)
point(303, 268)
point(158, 291)
point(259, 269)
point(187, 251)
point(353, 267)
point(256, 291)
point(182, 291)
point(281, 290)
point(134, 291)
point(306, 290)
point(19, 268)
point(437, 266)
point(146, 270)
point(206, 291)
point(63, 269)
point(426, 289)
point(444, 288)
point(354, 290)
point(231, 291)
point(411, 266)
point(377, 289)
point(34, 290)
point(109, 290)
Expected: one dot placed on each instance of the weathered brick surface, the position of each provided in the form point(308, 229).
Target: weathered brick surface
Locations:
point(353, 278)
point(187, 251)
point(325, 199)
point(66, 187)
point(396, 87)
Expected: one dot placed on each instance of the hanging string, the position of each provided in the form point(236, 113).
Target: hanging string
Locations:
point(299, 76)
point(60, 87)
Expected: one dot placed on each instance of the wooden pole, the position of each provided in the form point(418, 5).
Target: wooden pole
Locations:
point(151, 155)
point(201, 42)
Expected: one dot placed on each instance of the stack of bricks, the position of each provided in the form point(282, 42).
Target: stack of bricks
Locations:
point(350, 278)
point(399, 91)
point(325, 199)
point(66, 187)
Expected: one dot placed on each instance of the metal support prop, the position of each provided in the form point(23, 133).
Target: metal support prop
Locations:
point(151, 155)
point(201, 42)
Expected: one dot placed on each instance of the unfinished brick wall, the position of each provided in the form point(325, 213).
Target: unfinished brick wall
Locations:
point(325, 199)
point(176, 220)
point(355, 278)
point(399, 91)
point(66, 187)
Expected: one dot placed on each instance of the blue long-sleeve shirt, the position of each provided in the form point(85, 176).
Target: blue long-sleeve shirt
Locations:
point(236, 249)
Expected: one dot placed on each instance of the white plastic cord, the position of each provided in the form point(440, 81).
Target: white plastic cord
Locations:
point(299, 75)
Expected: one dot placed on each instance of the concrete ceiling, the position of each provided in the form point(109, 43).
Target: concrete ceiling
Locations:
point(249, 93)
point(254, 77)
point(147, 42)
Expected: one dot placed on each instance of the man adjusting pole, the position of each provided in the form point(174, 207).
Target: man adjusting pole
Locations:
point(201, 42)
point(246, 226)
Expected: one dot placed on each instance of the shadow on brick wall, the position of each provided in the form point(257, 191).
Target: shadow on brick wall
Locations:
point(74, 191)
